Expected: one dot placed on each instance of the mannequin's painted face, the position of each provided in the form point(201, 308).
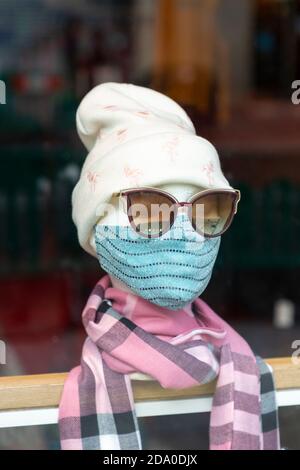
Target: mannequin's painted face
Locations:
point(169, 271)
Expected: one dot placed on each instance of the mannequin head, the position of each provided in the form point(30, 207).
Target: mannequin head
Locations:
point(138, 137)
point(180, 190)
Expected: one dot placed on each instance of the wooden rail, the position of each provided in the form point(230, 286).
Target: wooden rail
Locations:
point(44, 390)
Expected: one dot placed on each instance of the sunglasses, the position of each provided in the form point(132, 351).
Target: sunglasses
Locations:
point(152, 212)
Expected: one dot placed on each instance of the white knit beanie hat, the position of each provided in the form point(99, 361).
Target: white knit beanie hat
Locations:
point(136, 137)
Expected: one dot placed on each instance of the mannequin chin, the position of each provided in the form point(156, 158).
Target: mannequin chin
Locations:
point(182, 192)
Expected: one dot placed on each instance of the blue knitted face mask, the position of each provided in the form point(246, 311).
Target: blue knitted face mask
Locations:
point(169, 271)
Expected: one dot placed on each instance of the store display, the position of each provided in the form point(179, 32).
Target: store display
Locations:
point(138, 137)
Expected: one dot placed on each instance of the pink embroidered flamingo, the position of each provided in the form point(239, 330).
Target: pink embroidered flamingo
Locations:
point(132, 174)
point(144, 114)
point(121, 135)
point(208, 169)
point(92, 179)
point(111, 107)
point(170, 147)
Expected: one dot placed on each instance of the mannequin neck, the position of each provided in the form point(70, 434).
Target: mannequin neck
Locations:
point(119, 284)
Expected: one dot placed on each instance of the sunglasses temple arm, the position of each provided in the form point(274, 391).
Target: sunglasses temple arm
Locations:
point(237, 201)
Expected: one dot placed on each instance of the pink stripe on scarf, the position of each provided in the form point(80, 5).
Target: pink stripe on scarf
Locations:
point(70, 395)
point(94, 361)
point(149, 362)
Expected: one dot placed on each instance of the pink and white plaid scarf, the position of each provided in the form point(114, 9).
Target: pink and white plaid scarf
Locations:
point(179, 349)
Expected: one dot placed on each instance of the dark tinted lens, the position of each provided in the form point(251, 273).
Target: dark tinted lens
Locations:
point(211, 213)
point(151, 213)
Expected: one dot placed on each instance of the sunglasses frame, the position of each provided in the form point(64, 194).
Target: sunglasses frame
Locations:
point(124, 193)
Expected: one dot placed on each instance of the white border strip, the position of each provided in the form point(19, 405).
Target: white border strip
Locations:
point(42, 416)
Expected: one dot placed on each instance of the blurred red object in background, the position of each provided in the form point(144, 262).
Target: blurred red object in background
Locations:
point(34, 305)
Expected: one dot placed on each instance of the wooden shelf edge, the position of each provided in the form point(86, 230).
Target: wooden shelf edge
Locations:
point(44, 390)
